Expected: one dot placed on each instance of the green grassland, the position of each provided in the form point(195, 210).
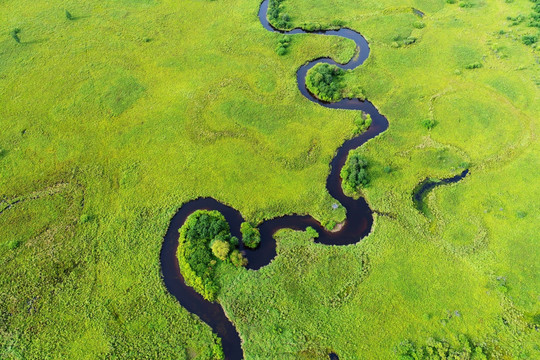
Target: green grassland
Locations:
point(114, 119)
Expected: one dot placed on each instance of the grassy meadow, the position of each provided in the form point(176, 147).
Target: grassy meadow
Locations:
point(112, 119)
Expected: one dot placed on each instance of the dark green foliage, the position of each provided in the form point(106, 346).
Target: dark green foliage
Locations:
point(354, 173)
point(465, 4)
point(277, 17)
point(15, 35)
point(362, 122)
point(529, 39)
point(419, 24)
point(387, 169)
point(439, 349)
point(251, 237)
point(238, 259)
point(410, 40)
point(429, 123)
point(204, 238)
point(13, 244)
point(69, 16)
point(474, 65)
point(326, 82)
point(312, 232)
point(283, 43)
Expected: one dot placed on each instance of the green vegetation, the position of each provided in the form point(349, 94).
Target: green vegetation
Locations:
point(276, 15)
point(69, 16)
point(283, 43)
point(328, 83)
point(429, 123)
point(251, 237)
point(15, 34)
point(354, 173)
point(436, 349)
point(362, 122)
point(204, 239)
point(105, 135)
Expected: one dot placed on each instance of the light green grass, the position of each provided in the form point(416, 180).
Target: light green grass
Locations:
point(140, 106)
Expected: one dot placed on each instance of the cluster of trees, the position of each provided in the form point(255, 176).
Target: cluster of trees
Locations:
point(205, 241)
point(283, 43)
point(251, 237)
point(325, 81)
point(362, 122)
point(354, 173)
point(438, 349)
point(277, 18)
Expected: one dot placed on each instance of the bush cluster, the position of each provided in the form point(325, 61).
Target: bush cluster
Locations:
point(205, 241)
point(398, 41)
point(474, 65)
point(439, 349)
point(283, 43)
point(354, 173)
point(276, 17)
point(362, 122)
point(326, 82)
point(251, 237)
point(429, 123)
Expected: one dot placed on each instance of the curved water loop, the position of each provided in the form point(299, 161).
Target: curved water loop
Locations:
point(359, 215)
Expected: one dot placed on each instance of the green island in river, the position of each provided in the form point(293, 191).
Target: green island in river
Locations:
point(118, 116)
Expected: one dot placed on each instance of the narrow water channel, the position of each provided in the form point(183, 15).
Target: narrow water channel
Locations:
point(359, 215)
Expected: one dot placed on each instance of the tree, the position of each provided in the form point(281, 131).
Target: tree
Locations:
point(251, 237)
point(238, 259)
point(69, 16)
point(354, 173)
point(15, 35)
point(220, 249)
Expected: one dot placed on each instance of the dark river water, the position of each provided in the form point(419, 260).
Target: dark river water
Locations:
point(359, 215)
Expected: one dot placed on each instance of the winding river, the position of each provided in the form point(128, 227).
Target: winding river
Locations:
point(359, 215)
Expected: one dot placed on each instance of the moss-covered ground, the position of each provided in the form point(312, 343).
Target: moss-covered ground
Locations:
point(113, 119)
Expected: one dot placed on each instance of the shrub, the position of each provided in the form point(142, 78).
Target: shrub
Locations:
point(529, 39)
point(15, 35)
point(410, 40)
point(312, 232)
point(238, 259)
point(85, 218)
point(326, 82)
point(251, 237)
point(13, 244)
point(419, 24)
point(330, 225)
point(280, 50)
point(474, 65)
point(354, 173)
point(429, 123)
point(69, 16)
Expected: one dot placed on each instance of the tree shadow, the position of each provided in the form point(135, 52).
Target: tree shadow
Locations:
point(31, 42)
